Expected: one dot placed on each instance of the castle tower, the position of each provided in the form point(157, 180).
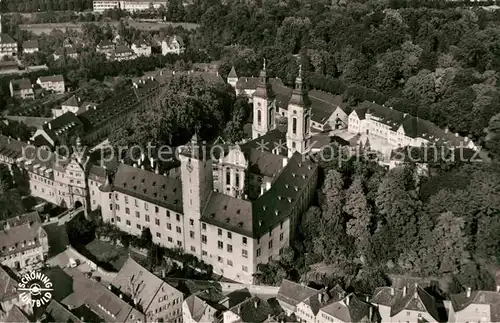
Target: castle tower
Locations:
point(197, 185)
point(263, 106)
point(299, 118)
point(232, 78)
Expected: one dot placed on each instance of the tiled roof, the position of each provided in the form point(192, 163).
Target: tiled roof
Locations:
point(229, 212)
point(73, 101)
point(267, 142)
point(112, 308)
point(53, 78)
point(59, 313)
point(461, 301)
point(348, 310)
point(154, 188)
point(21, 84)
point(21, 233)
point(201, 310)
point(138, 283)
point(383, 296)
point(8, 286)
point(58, 126)
point(16, 315)
point(264, 163)
point(30, 44)
point(255, 310)
point(416, 299)
point(316, 302)
point(123, 49)
point(293, 293)
point(247, 83)
point(6, 39)
point(232, 73)
point(106, 43)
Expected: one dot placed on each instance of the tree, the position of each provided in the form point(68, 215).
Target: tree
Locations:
point(80, 231)
point(357, 208)
point(146, 238)
point(334, 196)
point(493, 137)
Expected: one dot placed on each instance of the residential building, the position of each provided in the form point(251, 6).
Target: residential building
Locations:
point(291, 294)
point(206, 306)
point(475, 306)
point(66, 51)
point(253, 310)
point(398, 129)
point(141, 48)
point(121, 53)
point(346, 310)
point(173, 45)
point(157, 299)
point(8, 67)
point(10, 297)
point(139, 5)
point(328, 112)
point(58, 131)
point(103, 5)
point(75, 105)
point(23, 241)
point(54, 83)
point(412, 304)
point(8, 46)
point(106, 47)
point(21, 88)
point(56, 312)
point(30, 46)
point(17, 315)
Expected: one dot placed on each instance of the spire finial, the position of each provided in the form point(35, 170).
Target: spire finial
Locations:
point(300, 70)
point(264, 66)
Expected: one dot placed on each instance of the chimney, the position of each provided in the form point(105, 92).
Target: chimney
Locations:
point(456, 134)
point(446, 129)
point(135, 165)
point(121, 295)
point(404, 291)
point(135, 301)
point(469, 290)
point(392, 291)
point(347, 299)
point(109, 287)
point(498, 288)
point(285, 162)
point(320, 297)
point(256, 303)
point(50, 125)
point(268, 186)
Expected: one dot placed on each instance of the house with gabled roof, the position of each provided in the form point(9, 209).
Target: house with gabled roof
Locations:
point(17, 315)
point(57, 131)
point(157, 299)
point(8, 46)
point(30, 46)
point(173, 45)
point(205, 306)
point(54, 83)
point(22, 88)
point(349, 309)
point(141, 48)
point(254, 310)
point(412, 304)
point(472, 306)
point(291, 294)
point(66, 51)
point(10, 297)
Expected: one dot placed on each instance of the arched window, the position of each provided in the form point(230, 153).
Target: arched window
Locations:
point(307, 124)
point(228, 176)
point(237, 180)
point(259, 117)
point(271, 116)
point(294, 126)
point(293, 145)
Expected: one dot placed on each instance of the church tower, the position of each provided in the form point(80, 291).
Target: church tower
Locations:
point(299, 118)
point(197, 185)
point(232, 78)
point(264, 109)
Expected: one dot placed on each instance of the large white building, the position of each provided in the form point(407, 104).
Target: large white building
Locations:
point(8, 46)
point(129, 5)
point(103, 5)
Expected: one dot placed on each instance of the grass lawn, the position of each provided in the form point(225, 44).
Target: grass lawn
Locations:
point(108, 253)
point(58, 239)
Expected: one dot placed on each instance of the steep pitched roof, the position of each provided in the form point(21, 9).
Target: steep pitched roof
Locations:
point(58, 126)
point(59, 313)
point(201, 310)
point(293, 293)
point(21, 84)
point(416, 299)
point(21, 233)
point(255, 310)
point(349, 309)
point(30, 44)
point(6, 39)
point(52, 78)
point(17, 315)
point(149, 186)
point(8, 285)
point(461, 301)
point(384, 296)
point(232, 73)
point(229, 212)
point(247, 83)
point(73, 101)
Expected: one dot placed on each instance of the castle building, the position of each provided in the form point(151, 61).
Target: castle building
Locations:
point(249, 217)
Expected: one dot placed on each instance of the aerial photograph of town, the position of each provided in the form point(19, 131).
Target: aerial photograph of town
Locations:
point(250, 161)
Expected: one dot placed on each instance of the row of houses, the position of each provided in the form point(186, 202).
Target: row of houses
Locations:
point(24, 89)
point(128, 5)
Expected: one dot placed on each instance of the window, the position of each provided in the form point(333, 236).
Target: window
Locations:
point(408, 313)
point(178, 229)
point(204, 226)
point(127, 210)
point(179, 243)
point(191, 222)
point(136, 203)
point(281, 236)
point(118, 219)
point(229, 235)
point(281, 251)
point(270, 232)
point(169, 239)
point(177, 217)
point(259, 117)
point(158, 234)
point(219, 232)
point(237, 180)
point(157, 209)
point(126, 199)
point(193, 249)
point(219, 258)
point(169, 226)
point(230, 262)
point(220, 245)
point(244, 253)
point(228, 176)
point(127, 222)
point(258, 252)
point(191, 234)
point(168, 214)
point(147, 218)
point(204, 253)
point(204, 239)
point(229, 248)
point(258, 240)
point(139, 226)
point(244, 268)
point(270, 259)
point(270, 244)
point(110, 206)
point(137, 214)
point(244, 241)
point(281, 225)
point(294, 126)
point(157, 221)
point(146, 206)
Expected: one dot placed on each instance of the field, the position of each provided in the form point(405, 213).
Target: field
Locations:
point(39, 29)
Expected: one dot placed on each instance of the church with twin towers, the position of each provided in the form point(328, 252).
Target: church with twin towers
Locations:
point(235, 211)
